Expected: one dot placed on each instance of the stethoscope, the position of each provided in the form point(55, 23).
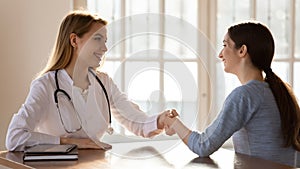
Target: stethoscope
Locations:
point(109, 130)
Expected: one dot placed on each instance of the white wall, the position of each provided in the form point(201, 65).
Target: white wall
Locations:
point(27, 32)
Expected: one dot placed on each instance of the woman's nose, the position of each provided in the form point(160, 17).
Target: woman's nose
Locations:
point(104, 48)
point(220, 54)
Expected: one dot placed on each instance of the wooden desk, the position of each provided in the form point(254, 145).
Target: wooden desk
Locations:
point(150, 155)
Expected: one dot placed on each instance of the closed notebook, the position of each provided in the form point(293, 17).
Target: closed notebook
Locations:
point(51, 152)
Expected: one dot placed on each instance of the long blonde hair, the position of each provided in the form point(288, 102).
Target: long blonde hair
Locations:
point(78, 22)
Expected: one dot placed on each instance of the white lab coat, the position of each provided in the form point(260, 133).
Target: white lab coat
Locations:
point(38, 121)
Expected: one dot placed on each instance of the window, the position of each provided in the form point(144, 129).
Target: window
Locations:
point(296, 66)
point(149, 66)
point(148, 56)
point(282, 17)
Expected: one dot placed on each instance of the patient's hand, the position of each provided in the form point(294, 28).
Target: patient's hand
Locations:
point(164, 121)
point(161, 118)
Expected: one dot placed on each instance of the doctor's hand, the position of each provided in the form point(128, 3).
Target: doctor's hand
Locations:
point(169, 122)
point(82, 143)
point(161, 119)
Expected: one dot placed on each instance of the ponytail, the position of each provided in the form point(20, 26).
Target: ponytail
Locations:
point(261, 55)
point(288, 108)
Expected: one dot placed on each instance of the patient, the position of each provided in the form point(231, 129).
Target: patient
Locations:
point(262, 115)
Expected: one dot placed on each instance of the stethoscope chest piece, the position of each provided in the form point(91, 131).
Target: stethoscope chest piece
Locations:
point(110, 130)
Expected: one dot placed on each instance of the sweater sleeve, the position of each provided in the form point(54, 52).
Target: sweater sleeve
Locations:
point(237, 110)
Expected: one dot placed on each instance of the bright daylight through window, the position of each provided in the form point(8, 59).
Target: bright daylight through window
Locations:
point(136, 62)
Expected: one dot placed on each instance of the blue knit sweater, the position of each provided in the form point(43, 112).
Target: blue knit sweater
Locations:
point(251, 116)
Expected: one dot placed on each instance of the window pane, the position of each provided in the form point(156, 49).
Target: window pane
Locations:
point(183, 75)
point(186, 10)
point(114, 43)
point(142, 33)
point(107, 9)
point(276, 15)
point(111, 68)
point(297, 38)
point(282, 70)
point(181, 89)
point(177, 49)
point(242, 10)
point(229, 12)
point(142, 46)
point(173, 7)
point(142, 84)
point(297, 80)
point(189, 11)
point(134, 7)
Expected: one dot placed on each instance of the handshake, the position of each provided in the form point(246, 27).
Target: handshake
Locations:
point(169, 121)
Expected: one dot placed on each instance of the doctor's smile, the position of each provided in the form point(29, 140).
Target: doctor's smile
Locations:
point(98, 56)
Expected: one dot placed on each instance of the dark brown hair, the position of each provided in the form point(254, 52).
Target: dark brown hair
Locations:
point(260, 46)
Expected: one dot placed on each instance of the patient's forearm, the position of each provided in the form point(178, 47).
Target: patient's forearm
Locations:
point(182, 131)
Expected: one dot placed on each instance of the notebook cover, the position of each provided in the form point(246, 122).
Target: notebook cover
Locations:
point(51, 152)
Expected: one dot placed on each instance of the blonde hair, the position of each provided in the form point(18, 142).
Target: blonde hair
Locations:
point(78, 22)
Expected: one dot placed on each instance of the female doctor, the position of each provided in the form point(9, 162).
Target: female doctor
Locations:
point(70, 102)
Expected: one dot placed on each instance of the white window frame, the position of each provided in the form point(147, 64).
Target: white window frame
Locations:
point(207, 23)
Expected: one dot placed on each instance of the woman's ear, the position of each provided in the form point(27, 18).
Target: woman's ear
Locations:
point(73, 42)
point(243, 51)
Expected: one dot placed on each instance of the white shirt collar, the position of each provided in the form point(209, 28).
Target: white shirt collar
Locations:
point(66, 76)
